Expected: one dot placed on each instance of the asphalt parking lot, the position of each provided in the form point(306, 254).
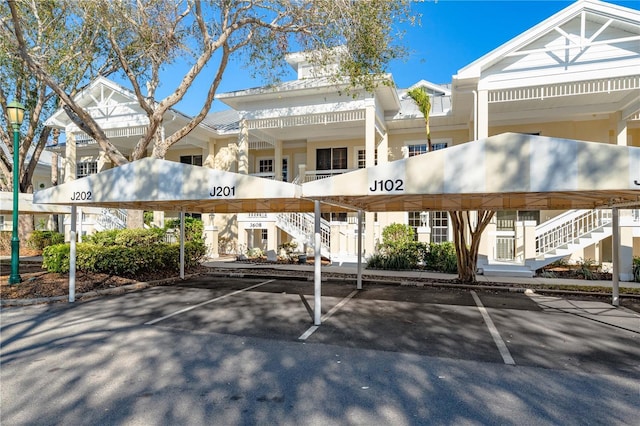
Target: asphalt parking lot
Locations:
point(503, 327)
point(244, 351)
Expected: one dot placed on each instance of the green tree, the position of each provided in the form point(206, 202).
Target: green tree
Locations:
point(51, 29)
point(147, 36)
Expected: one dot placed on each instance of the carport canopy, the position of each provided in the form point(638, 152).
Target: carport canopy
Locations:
point(510, 171)
point(153, 184)
point(504, 172)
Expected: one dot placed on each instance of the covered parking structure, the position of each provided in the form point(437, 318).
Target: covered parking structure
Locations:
point(508, 171)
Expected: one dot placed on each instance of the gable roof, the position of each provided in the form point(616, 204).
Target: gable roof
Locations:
point(626, 19)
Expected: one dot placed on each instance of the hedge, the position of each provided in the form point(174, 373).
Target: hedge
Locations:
point(122, 260)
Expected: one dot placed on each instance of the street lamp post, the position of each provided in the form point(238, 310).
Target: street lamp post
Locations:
point(15, 111)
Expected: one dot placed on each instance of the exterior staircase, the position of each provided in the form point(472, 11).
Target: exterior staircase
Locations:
point(301, 227)
point(111, 219)
point(558, 238)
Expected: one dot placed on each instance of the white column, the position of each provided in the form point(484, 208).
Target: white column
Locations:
point(182, 245)
point(359, 279)
point(615, 237)
point(370, 136)
point(482, 113)
point(317, 272)
point(621, 129)
point(243, 148)
point(383, 149)
point(70, 158)
point(209, 160)
point(72, 256)
point(277, 159)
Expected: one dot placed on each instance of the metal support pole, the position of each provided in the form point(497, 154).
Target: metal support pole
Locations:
point(615, 240)
point(15, 277)
point(317, 274)
point(359, 280)
point(182, 245)
point(80, 224)
point(72, 256)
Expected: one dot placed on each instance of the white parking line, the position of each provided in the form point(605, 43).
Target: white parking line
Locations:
point(502, 347)
point(326, 316)
point(181, 311)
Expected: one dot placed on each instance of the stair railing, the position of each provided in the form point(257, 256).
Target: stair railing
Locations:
point(302, 226)
point(113, 219)
point(569, 227)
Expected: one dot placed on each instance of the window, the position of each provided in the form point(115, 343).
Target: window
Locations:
point(415, 223)
point(86, 168)
point(417, 149)
point(194, 160)
point(265, 166)
point(334, 217)
point(331, 159)
point(439, 227)
point(285, 170)
point(1, 223)
point(362, 158)
point(506, 219)
point(422, 148)
point(439, 145)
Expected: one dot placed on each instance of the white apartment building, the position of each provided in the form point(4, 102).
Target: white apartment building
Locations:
point(574, 76)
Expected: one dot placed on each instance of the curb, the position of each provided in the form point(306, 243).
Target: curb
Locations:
point(129, 288)
point(386, 280)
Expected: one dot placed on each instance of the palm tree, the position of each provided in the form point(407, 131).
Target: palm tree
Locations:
point(422, 100)
point(463, 227)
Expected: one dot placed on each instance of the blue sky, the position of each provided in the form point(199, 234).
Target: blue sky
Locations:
point(452, 35)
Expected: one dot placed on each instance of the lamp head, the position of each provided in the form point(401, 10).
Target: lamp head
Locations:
point(15, 110)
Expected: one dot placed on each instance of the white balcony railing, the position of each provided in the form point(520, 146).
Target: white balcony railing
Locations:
point(323, 174)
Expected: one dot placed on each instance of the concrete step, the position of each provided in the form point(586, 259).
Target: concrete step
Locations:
point(503, 270)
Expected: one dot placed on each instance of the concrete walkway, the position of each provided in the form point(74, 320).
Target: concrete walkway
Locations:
point(351, 269)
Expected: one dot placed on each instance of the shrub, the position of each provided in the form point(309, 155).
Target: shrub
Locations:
point(122, 260)
point(55, 258)
point(38, 240)
point(636, 269)
point(139, 237)
point(255, 252)
point(103, 238)
point(441, 257)
point(286, 250)
point(193, 228)
point(585, 268)
point(397, 237)
point(376, 261)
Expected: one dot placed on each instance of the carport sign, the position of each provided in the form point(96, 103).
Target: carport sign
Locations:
point(387, 179)
point(222, 187)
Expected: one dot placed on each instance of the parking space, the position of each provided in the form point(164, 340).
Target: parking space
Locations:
point(496, 327)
